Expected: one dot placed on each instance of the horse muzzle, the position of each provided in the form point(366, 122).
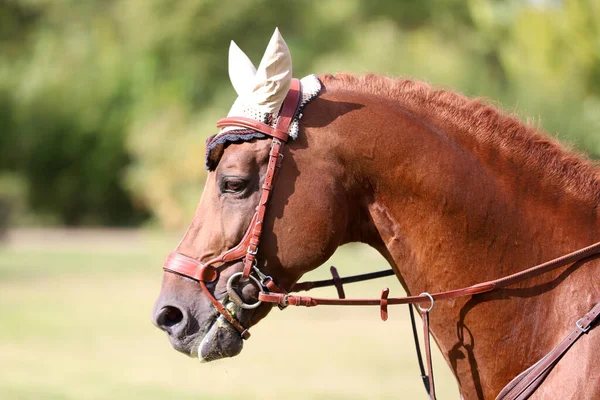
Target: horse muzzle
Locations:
point(221, 341)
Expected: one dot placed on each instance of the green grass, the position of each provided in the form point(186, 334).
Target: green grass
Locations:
point(75, 324)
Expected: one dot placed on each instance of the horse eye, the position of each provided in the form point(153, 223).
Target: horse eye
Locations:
point(233, 185)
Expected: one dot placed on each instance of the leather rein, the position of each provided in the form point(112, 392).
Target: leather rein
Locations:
point(270, 292)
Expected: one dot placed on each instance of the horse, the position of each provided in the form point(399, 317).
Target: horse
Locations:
point(451, 191)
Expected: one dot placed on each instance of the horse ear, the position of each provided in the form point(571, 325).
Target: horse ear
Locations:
point(241, 70)
point(274, 75)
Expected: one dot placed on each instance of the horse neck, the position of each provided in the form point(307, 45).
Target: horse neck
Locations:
point(437, 198)
point(446, 217)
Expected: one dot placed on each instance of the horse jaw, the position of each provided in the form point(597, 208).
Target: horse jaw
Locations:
point(221, 341)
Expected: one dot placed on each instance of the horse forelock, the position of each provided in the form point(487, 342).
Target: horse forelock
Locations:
point(487, 124)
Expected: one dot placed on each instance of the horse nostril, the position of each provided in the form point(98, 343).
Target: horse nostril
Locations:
point(168, 317)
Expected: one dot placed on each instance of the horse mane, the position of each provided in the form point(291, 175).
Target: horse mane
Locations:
point(488, 125)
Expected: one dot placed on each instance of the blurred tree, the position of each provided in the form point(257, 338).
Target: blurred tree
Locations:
point(105, 105)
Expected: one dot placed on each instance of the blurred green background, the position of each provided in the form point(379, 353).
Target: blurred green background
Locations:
point(105, 105)
point(75, 324)
point(104, 109)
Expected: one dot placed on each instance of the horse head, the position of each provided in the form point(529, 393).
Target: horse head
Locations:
point(301, 228)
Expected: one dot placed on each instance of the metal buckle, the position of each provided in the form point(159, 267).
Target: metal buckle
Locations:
point(255, 252)
point(284, 302)
point(263, 278)
point(581, 328)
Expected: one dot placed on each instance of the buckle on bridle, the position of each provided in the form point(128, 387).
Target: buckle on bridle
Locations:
point(253, 253)
point(263, 278)
point(581, 328)
point(284, 302)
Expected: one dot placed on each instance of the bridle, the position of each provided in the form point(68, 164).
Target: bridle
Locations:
point(247, 249)
point(269, 292)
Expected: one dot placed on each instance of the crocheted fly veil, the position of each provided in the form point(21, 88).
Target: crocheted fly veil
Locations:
point(260, 95)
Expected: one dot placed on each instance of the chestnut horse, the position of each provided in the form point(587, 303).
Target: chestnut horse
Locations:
point(450, 191)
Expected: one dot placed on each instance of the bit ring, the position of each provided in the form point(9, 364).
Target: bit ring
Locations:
point(236, 297)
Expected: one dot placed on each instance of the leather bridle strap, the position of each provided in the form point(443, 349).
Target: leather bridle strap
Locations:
point(583, 255)
point(424, 376)
point(427, 344)
point(522, 386)
point(247, 249)
point(280, 137)
point(256, 232)
point(249, 123)
point(188, 267)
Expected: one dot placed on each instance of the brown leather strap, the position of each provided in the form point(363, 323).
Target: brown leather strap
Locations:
point(383, 303)
point(186, 266)
point(424, 376)
point(427, 344)
point(286, 116)
point(584, 255)
point(272, 286)
point(289, 107)
point(244, 122)
point(288, 111)
point(261, 209)
point(523, 386)
point(225, 313)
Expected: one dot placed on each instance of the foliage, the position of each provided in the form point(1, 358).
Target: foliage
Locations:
point(105, 105)
point(13, 196)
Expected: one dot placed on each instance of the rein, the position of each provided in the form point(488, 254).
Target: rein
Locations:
point(206, 273)
point(519, 388)
point(584, 255)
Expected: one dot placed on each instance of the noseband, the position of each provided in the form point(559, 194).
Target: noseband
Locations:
point(247, 249)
